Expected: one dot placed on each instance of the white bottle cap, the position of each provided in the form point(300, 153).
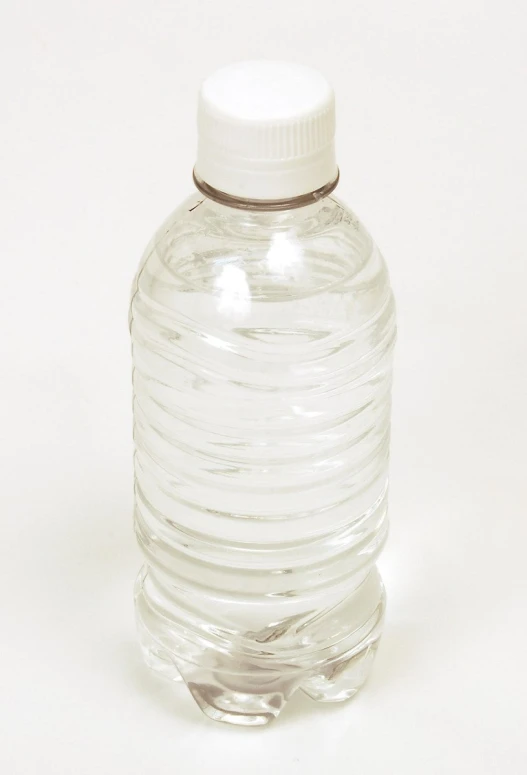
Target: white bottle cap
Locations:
point(266, 131)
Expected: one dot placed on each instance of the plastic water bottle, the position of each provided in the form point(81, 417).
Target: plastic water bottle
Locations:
point(262, 324)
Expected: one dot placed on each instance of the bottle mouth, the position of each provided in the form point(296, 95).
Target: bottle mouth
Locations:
point(264, 204)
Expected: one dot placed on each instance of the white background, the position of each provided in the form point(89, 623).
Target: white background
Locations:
point(97, 143)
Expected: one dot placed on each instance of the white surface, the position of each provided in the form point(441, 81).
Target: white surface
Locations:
point(98, 137)
point(266, 130)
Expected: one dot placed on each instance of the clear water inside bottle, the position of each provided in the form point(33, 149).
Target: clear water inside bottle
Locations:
point(262, 362)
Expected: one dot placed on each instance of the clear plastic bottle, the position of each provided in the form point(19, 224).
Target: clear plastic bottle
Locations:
point(262, 325)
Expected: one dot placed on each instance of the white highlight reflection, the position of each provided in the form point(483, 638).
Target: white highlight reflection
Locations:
point(234, 292)
point(284, 254)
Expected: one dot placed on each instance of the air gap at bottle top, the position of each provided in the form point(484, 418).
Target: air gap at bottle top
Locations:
point(262, 326)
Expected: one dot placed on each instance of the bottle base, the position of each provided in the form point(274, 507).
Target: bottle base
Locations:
point(236, 689)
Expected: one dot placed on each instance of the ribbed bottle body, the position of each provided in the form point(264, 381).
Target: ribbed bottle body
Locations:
point(262, 357)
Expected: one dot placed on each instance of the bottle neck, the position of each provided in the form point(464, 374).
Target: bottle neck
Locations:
point(259, 223)
point(265, 205)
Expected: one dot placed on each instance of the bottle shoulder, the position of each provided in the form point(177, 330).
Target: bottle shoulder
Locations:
point(318, 261)
point(201, 219)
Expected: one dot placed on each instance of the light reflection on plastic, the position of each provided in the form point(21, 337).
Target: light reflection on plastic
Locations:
point(284, 253)
point(234, 292)
point(301, 412)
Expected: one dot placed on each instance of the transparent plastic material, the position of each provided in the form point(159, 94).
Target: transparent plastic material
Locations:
point(262, 353)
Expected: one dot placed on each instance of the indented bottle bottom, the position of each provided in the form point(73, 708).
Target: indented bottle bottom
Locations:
point(250, 685)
